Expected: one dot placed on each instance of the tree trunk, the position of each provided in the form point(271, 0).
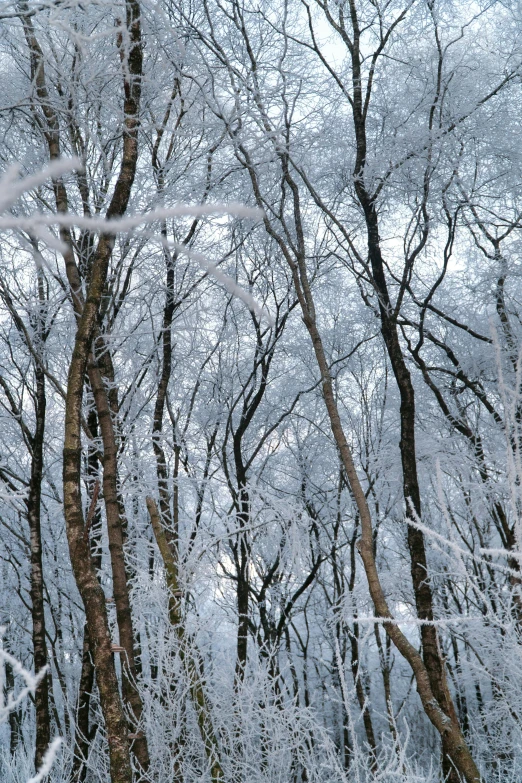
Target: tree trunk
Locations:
point(243, 589)
point(41, 697)
point(77, 533)
point(192, 664)
point(82, 738)
point(115, 528)
point(416, 545)
point(418, 562)
point(85, 574)
point(449, 730)
point(15, 718)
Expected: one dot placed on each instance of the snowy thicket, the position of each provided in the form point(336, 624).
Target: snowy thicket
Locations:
point(260, 391)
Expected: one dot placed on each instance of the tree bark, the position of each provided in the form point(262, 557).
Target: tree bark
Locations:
point(82, 738)
point(77, 533)
point(15, 718)
point(41, 697)
point(115, 528)
point(85, 574)
point(159, 407)
point(83, 732)
point(242, 557)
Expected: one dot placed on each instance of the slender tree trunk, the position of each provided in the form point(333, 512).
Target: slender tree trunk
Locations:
point(41, 697)
point(34, 497)
point(15, 718)
point(384, 658)
point(77, 533)
point(418, 561)
point(448, 728)
point(82, 738)
point(361, 697)
point(243, 588)
point(115, 529)
point(340, 631)
point(190, 659)
point(163, 384)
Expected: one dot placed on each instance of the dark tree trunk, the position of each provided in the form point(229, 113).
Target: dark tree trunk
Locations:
point(418, 561)
point(82, 739)
point(41, 697)
point(115, 527)
point(241, 554)
point(77, 532)
point(159, 408)
point(83, 732)
point(416, 545)
point(15, 718)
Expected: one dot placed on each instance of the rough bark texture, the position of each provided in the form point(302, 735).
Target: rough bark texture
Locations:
point(83, 733)
point(241, 555)
point(77, 533)
point(84, 571)
point(115, 528)
point(15, 731)
point(41, 697)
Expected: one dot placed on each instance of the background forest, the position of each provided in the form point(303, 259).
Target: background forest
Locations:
point(260, 391)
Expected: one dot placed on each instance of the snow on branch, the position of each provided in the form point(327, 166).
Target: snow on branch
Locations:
point(48, 761)
point(38, 224)
point(9, 702)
